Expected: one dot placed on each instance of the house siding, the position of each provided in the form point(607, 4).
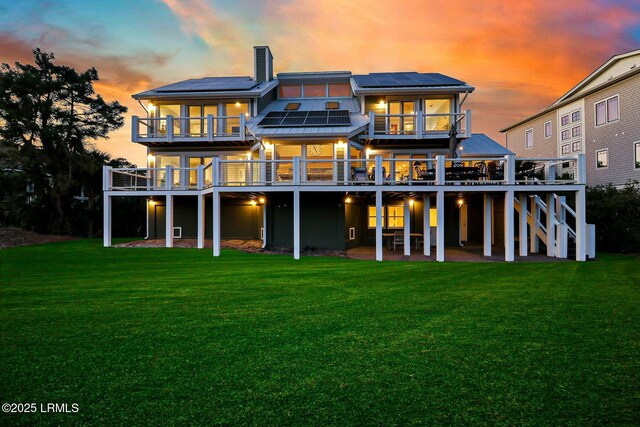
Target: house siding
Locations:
point(541, 147)
point(618, 137)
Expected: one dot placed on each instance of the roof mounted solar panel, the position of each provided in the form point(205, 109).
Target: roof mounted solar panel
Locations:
point(410, 79)
point(306, 118)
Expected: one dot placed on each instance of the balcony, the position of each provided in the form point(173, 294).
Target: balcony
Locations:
point(418, 125)
point(377, 171)
point(171, 129)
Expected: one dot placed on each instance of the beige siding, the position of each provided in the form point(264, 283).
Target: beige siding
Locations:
point(542, 147)
point(618, 137)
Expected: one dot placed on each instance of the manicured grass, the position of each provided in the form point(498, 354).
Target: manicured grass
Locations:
point(173, 336)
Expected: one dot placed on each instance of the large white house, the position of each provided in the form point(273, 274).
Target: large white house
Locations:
point(332, 160)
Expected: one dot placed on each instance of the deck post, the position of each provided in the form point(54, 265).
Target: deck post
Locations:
point(581, 224)
point(508, 226)
point(426, 229)
point(551, 225)
point(210, 132)
point(200, 177)
point(216, 222)
point(407, 225)
point(440, 223)
point(440, 170)
point(242, 127)
point(106, 226)
point(522, 201)
point(200, 221)
point(168, 212)
point(296, 224)
point(372, 120)
point(510, 170)
point(488, 222)
point(379, 176)
point(534, 240)
point(378, 225)
point(134, 129)
point(467, 125)
point(169, 120)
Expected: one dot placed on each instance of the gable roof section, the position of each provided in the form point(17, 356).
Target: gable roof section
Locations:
point(581, 91)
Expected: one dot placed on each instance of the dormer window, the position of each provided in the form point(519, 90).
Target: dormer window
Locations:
point(332, 105)
point(292, 106)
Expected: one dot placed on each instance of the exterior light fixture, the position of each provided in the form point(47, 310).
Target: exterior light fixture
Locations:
point(246, 114)
point(347, 199)
point(262, 200)
point(382, 103)
point(460, 199)
point(411, 202)
point(237, 104)
point(340, 143)
point(253, 203)
point(151, 160)
point(151, 107)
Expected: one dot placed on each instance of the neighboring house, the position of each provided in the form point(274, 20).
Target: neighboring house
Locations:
point(331, 160)
point(599, 117)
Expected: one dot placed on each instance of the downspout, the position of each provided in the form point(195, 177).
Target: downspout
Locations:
point(147, 236)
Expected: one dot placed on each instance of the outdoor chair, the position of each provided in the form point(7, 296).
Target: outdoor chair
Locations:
point(398, 240)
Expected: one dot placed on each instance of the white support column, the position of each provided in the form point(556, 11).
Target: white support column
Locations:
point(508, 226)
point(216, 222)
point(169, 120)
point(488, 222)
point(372, 119)
point(534, 240)
point(524, 244)
point(581, 225)
point(378, 225)
point(134, 128)
point(201, 217)
point(467, 125)
point(510, 169)
point(407, 225)
point(426, 229)
point(440, 225)
point(168, 212)
point(440, 170)
point(296, 224)
point(379, 176)
point(551, 225)
point(106, 226)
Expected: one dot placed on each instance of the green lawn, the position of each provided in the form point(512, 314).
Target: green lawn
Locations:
point(173, 336)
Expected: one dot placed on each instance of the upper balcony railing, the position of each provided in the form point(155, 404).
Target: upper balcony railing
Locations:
point(438, 171)
point(185, 129)
point(418, 125)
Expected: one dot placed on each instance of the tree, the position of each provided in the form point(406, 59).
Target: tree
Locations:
point(49, 115)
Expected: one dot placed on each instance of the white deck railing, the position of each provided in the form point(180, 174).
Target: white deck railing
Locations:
point(183, 129)
point(505, 170)
point(418, 125)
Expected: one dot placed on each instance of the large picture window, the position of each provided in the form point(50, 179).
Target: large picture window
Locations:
point(607, 111)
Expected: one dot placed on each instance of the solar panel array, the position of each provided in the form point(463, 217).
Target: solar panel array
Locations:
point(412, 79)
point(306, 118)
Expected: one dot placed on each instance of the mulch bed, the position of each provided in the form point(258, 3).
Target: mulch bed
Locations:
point(11, 237)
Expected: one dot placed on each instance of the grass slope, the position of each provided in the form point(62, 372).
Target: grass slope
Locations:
point(157, 336)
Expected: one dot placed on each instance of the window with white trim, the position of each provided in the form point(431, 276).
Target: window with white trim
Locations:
point(607, 111)
point(564, 120)
point(602, 159)
point(576, 146)
point(566, 149)
point(576, 116)
point(547, 129)
point(565, 134)
point(528, 138)
point(395, 217)
point(576, 131)
point(636, 155)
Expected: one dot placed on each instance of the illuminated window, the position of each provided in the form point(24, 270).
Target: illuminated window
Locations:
point(290, 91)
point(315, 91)
point(433, 217)
point(372, 216)
point(395, 217)
point(340, 89)
point(234, 111)
point(602, 159)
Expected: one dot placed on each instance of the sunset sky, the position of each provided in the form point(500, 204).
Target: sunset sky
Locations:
point(519, 55)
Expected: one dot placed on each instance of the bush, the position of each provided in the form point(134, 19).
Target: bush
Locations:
point(616, 214)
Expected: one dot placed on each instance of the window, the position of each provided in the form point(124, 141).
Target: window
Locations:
point(565, 134)
point(607, 111)
point(292, 106)
point(566, 149)
point(576, 146)
point(547, 129)
point(315, 91)
point(636, 154)
point(564, 120)
point(197, 118)
point(395, 216)
point(290, 91)
point(372, 216)
point(602, 159)
point(339, 89)
point(575, 116)
point(576, 131)
point(528, 138)
point(332, 105)
point(233, 112)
